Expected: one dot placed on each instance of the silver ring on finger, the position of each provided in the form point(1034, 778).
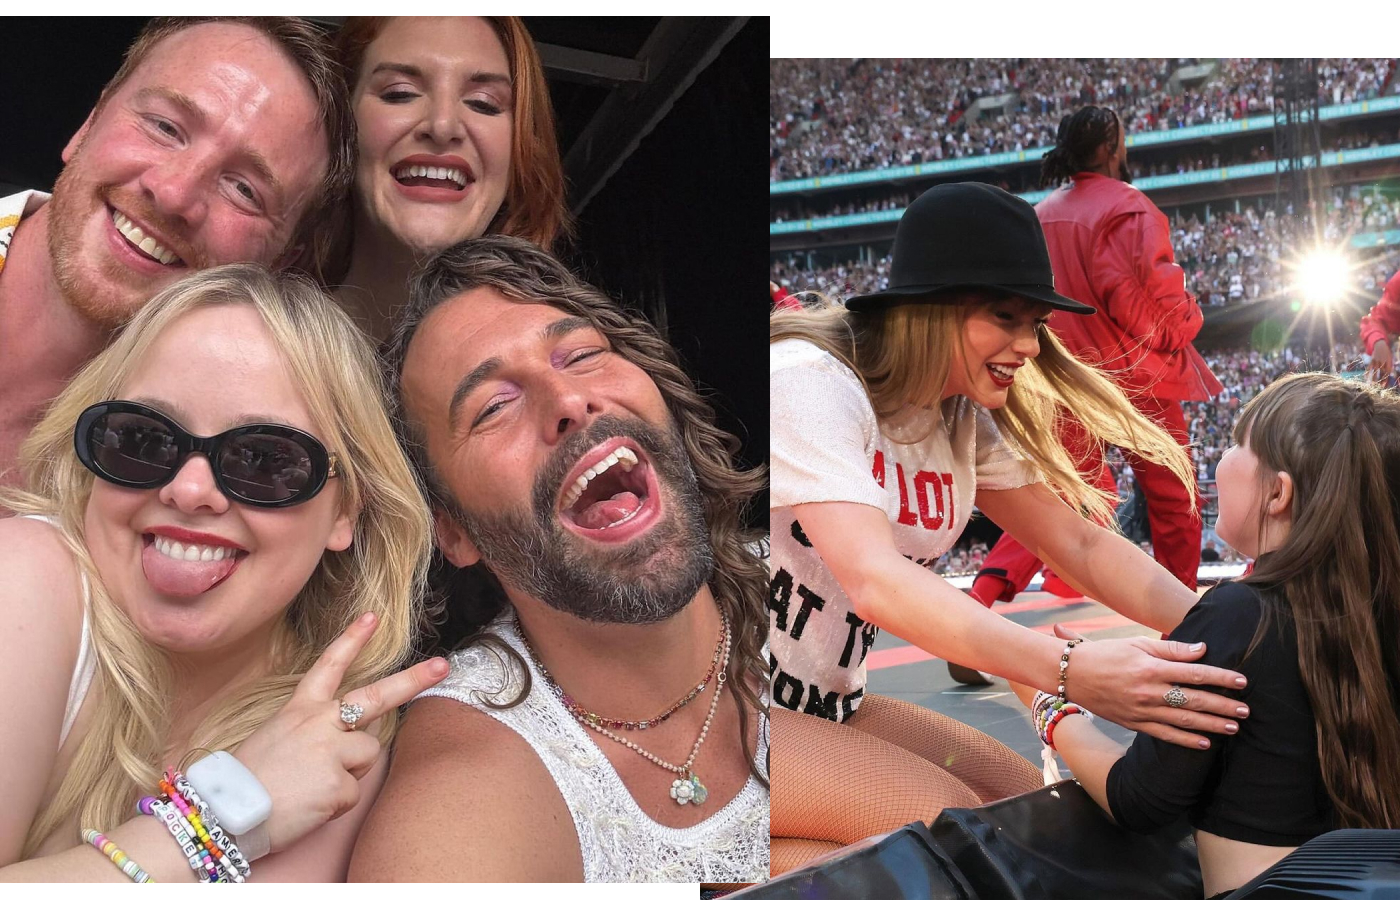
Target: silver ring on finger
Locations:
point(350, 713)
point(1176, 697)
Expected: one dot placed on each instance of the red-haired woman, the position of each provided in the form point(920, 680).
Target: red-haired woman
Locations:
point(456, 140)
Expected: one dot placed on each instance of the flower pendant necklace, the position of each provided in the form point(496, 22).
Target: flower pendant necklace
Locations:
point(688, 787)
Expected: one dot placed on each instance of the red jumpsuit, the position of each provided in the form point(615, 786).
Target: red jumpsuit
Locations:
point(1110, 247)
point(1384, 318)
point(781, 298)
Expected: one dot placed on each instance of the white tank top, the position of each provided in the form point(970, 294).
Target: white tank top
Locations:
point(86, 665)
point(619, 842)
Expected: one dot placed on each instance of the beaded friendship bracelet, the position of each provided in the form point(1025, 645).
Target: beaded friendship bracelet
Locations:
point(170, 817)
point(234, 860)
point(118, 858)
point(208, 849)
point(208, 853)
point(1064, 666)
point(1047, 710)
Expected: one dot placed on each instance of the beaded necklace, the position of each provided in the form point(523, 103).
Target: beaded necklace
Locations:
point(578, 712)
point(687, 788)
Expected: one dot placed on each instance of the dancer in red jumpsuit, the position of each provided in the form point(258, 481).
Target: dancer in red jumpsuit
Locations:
point(1110, 248)
point(1379, 327)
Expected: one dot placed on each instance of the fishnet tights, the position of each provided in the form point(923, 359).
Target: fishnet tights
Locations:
point(894, 763)
point(786, 854)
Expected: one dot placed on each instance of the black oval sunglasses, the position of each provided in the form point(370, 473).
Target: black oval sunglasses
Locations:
point(267, 465)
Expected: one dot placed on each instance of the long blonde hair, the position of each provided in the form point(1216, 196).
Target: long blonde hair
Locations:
point(383, 570)
point(903, 355)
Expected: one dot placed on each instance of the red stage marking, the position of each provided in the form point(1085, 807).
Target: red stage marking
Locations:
point(1087, 626)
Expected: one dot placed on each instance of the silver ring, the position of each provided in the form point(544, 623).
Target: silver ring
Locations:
point(1176, 697)
point(350, 713)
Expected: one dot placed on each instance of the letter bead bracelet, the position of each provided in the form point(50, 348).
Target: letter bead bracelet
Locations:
point(210, 851)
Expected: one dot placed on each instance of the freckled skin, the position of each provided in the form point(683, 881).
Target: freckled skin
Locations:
point(187, 177)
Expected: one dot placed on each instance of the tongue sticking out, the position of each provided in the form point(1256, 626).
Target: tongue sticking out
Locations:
point(183, 578)
point(603, 513)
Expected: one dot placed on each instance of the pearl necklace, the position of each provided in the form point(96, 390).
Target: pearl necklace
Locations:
point(685, 789)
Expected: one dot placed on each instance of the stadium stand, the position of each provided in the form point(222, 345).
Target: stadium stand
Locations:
point(864, 137)
point(832, 116)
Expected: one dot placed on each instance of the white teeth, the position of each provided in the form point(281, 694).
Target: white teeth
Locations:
point(439, 173)
point(191, 552)
point(1004, 372)
point(142, 241)
point(621, 456)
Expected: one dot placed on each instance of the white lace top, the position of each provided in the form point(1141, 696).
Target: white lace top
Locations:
point(620, 843)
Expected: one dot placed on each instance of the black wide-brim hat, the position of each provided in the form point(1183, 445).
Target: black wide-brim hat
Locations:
point(968, 236)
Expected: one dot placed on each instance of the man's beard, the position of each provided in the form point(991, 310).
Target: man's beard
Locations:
point(650, 579)
point(109, 296)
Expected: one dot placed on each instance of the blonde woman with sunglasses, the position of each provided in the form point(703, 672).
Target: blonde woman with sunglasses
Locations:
point(222, 549)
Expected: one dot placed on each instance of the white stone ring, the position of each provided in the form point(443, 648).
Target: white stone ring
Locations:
point(350, 713)
point(1176, 697)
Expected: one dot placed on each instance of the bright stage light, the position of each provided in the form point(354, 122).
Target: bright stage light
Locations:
point(1323, 277)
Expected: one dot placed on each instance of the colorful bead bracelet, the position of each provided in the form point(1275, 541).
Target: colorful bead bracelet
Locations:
point(208, 849)
point(118, 858)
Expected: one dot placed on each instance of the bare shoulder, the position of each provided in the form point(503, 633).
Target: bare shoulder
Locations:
point(457, 771)
point(41, 588)
point(41, 605)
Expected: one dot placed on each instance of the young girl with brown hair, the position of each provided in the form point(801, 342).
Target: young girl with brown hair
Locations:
point(1311, 490)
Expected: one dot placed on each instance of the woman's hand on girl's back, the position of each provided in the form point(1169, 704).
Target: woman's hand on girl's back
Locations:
point(307, 759)
point(1126, 680)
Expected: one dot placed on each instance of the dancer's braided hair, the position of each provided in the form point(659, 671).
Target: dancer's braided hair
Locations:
point(1077, 143)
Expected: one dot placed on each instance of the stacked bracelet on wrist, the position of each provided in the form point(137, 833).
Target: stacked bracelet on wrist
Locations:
point(233, 860)
point(210, 852)
point(1047, 710)
point(118, 858)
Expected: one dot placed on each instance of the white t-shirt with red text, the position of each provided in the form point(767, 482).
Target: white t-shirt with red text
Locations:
point(826, 446)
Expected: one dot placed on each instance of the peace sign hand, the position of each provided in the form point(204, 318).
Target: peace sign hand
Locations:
point(307, 758)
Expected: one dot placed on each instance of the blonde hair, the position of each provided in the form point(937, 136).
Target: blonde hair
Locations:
point(903, 355)
point(383, 570)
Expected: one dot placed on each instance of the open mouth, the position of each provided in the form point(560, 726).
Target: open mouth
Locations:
point(610, 496)
point(1002, 375)
point(186, 569)
point(447, 177)
point(144, 243)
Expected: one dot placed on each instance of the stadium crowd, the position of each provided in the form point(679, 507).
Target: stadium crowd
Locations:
point(1025, 178)
point(842, 115)
point(1228, 257)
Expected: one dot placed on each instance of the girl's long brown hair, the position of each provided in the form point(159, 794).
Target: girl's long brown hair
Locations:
point(1338, 574)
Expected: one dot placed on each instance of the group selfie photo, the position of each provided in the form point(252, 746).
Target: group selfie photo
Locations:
point(380, 495)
